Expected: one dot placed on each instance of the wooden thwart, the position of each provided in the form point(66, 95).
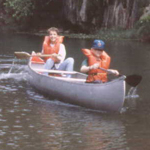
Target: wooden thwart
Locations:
point(62, 72)
point(71, 79)
point(56, 71)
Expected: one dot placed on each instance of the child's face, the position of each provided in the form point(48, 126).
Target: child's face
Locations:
point(97, 53)
point(53, 36)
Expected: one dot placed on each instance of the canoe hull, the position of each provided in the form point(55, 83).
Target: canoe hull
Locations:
point(103, 97)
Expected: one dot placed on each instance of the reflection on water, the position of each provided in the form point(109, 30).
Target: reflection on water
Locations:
point(40, 125)
point(28, 120)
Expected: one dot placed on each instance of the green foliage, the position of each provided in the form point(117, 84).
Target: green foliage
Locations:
point(107, 34)
point(143, 26)
point(15, 14)
point(117, 34)
point(28, 14)
point(19, 9)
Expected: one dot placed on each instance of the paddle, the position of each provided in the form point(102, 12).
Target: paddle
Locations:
point(132, 80)
point(25, 55)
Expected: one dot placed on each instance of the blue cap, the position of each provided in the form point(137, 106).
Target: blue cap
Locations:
point(98, 45)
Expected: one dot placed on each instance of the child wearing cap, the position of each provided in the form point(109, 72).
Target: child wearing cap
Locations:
point(97, 61)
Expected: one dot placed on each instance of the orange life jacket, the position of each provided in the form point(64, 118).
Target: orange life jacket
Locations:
point(104, 62)
point(47, 49)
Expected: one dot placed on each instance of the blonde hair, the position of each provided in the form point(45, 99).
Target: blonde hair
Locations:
point(53, 29)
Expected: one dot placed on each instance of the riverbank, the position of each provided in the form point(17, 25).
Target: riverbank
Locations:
point(107, 35)
point(104, 34)
point(101, 34)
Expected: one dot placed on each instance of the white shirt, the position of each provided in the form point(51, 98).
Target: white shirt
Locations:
point(62, 52)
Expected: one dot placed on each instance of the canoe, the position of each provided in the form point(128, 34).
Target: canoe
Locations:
point(108, 97)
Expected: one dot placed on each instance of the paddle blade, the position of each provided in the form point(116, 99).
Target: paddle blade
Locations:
point(22, 55)
point(133, 80)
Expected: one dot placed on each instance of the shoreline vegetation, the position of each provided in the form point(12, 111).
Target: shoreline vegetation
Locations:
point(109, 20)
point(109, 34)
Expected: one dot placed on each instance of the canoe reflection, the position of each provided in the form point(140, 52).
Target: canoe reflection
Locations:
point(66, 126)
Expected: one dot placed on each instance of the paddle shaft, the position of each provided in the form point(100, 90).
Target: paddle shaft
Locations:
point(42, 55)
point(107, 70)
point(25, 55)
point(132, 80)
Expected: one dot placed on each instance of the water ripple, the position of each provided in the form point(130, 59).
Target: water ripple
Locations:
point(16, 76)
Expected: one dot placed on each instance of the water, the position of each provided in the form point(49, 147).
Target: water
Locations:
point(28, 120)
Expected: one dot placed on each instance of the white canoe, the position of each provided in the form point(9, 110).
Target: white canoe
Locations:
point(107, 97)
